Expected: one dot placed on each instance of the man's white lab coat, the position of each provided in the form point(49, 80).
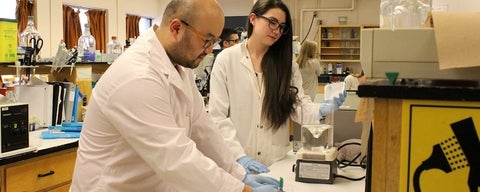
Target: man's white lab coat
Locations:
point(146, 129)
point(236, 103)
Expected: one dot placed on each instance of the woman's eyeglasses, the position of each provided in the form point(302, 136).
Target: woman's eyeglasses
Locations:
point(274, 25)
point(208, 42)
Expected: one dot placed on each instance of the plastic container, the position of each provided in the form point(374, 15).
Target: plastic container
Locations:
point(86, 45)
point(114, 47)
point(404, 13)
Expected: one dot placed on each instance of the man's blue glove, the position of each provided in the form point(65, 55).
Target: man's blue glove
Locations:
point(326, 109)
point(258, 182)
point(251, 165)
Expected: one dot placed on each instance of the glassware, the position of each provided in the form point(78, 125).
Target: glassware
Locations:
point(404, 13)
point(114, 48)
point(86, 45)
point(316, 131)
point(29, 33)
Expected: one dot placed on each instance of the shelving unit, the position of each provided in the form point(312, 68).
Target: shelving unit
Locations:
point(339, 43)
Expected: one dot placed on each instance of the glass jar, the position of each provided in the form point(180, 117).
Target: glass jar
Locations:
point(29, 33)
point(86, 45)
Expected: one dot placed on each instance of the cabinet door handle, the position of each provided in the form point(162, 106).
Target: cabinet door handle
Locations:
point(46, 174)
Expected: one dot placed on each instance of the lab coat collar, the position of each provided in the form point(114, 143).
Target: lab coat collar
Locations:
point(246, 61)
point(176, 76)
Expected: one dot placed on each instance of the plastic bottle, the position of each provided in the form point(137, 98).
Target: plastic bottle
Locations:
point(59, 58)
point(27, 34)
point(86, 45)
point(114, 47)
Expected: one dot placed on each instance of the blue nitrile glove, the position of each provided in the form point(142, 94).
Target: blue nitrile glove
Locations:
point(258, 181)
point(264, 188)
point(325, 108)
point(252, 166)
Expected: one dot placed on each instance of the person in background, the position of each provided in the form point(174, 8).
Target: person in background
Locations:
point(309, 67)
point(229, 37)
point(353, 80)
point(146, 128)
point(256, 87)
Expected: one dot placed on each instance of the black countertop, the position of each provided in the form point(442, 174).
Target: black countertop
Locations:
point(423, 89)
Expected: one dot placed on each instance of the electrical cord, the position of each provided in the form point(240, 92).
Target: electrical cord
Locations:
point(309, 28)
point(349, 178)
point(343, 164)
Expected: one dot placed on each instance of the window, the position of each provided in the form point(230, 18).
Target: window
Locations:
point(8, 10)
point(144, 24)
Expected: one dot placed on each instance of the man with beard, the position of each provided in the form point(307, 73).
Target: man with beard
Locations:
point(146, 128)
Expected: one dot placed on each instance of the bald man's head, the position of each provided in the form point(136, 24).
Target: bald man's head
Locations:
point(188, 29)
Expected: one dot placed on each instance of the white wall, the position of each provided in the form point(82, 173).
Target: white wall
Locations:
point(50, 19)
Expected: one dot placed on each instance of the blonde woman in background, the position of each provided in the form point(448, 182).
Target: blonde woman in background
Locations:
point(309, 68)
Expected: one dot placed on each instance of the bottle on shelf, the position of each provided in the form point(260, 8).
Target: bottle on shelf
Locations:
point(114, 48)
point(29, 33)
point(86, 45)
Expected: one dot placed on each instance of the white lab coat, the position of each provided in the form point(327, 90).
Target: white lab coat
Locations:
point(146, 129)
point(236, 103)
point(310, 73)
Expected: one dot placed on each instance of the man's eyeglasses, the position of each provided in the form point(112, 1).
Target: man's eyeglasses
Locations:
point(274, 25)
point(233, 40)
point(208, 42)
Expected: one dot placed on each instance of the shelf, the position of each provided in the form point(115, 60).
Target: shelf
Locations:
point(339, 47)
point(340, 39)
point(332, 54)
point(340, 60)
point(339, 43)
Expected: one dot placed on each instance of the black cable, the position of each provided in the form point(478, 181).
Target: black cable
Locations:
point(309, 28)
point(350, 178)
point(343, 164)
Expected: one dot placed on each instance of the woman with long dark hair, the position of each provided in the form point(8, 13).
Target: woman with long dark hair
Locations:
point(256, 87)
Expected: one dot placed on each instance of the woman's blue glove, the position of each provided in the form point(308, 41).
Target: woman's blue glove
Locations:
point(252, 166)
point(258, 181)
point(264, 188)
point(326, 109)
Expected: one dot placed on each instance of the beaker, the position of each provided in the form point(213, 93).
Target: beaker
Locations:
point(316, 130)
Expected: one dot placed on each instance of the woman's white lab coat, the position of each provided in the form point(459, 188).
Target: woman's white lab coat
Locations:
point(146, 130)
point(236, 103)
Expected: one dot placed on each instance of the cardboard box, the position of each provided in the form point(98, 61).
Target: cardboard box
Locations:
point(8, 39)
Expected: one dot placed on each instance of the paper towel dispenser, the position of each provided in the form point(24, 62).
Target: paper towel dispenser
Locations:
point(411, 52)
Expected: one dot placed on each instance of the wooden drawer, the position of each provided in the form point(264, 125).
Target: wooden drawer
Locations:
point(49, 172)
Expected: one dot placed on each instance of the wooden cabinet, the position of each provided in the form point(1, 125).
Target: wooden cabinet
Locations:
point(340, 43)
point(52, 172)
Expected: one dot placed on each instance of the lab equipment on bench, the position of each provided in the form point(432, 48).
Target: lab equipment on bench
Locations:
point(316, 159)
point(64, 57)
point(14, 136)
